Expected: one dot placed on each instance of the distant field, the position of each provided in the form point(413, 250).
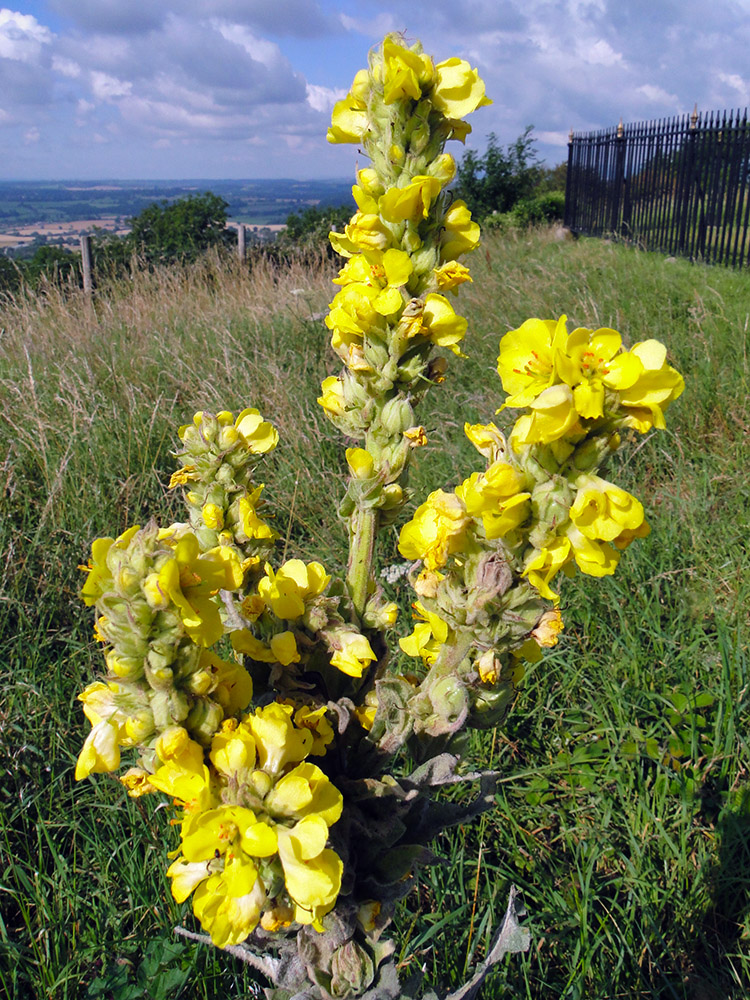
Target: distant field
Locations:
point(70, 206)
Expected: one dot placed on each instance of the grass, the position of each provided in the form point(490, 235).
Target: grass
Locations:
point(623, 813)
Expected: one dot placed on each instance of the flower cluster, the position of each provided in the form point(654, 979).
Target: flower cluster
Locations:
point(486, 554)
point(154, 593)
point(255, 824)
point(219, 455)
point(401, 249)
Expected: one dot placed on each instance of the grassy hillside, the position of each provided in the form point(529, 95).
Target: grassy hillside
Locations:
point(624, 810)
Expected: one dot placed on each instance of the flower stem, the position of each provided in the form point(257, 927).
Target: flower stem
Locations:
point(362, 530)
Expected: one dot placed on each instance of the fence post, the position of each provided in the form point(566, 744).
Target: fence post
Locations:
point(686, 182)
point(86, 267)
point(241, 242)
point(619, 175)
point(569, 213)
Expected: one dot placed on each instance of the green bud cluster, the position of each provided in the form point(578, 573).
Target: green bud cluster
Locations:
point(153, 591)
point(219, 456)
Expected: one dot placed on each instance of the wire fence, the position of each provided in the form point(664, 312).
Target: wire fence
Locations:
point(678, 185)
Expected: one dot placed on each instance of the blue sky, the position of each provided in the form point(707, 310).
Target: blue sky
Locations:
point(94, 89)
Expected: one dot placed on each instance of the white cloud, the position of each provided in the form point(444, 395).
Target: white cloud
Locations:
point(258, 49)
point(31, 136)
point(22, 36)
point(552, 138)
point(736, 83)
point(658, 95)
point(376, 27)
point(109, 88)
point(323, 98)
point(66, 67)
point(599, 53)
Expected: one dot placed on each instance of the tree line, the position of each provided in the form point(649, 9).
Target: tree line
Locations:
point(503, 186)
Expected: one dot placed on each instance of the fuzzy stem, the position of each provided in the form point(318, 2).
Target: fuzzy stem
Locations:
point(362, 530)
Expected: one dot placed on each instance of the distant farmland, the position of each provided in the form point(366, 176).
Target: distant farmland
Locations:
point(59, 211)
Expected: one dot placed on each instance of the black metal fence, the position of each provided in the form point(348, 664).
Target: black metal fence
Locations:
point(678, 185)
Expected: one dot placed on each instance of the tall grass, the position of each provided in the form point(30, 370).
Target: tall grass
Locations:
point(624, 808)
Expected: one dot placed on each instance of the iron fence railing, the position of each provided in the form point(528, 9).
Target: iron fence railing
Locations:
point(678, 185)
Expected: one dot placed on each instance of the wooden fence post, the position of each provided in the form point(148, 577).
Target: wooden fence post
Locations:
point(241, 242)
point(88, 284)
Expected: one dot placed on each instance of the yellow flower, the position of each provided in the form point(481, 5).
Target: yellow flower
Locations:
point(488, 439)
point(189, 580)
point(250, 525)
point(101, 749)
point(441, 324)
point(213, 516)
point(527, 360)
point(593, 557)
point(278, 740)
point(312, 873)
point(543, 565)
point(489, 667)
point(430, 632)
point(352, 312)
point(497, 497)
point(258, 435)
point(437, 530)
point(185, 782)
point(365, 713)
point(553, 416)
point(174, 744)
point(99, 577)
point(137, 783)
point(362, 234)
point(316, 721)
point(305, 791)
point(443, 167)
point(461, 233)
point(405, 72)
point(458, 88)
point(285, 592)
point(590, 362)
point(410, 202)
point(233, 685)
point(233, 749)
point(352, 653)
point(416, 436)
point(548, 628)
point(602, 510)
point(360, 462)
point(280, 917)
point(655, 388)
point(451, 274)
point(349, 118)
point(228, 905)
point(182, 476)
point(332, 397)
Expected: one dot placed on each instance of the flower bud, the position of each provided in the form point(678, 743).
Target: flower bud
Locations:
point(361, 463)
point(352, 970)
point(204, 720)
point(397, 416)
point(159, 677)
point(127, 667)
point(443, 167)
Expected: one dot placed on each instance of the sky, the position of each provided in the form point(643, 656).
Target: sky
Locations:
point(178, 89)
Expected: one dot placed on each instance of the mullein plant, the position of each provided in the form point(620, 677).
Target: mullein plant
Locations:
point(259, 697)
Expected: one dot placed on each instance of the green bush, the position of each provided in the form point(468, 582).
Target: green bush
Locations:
point(548, 207)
